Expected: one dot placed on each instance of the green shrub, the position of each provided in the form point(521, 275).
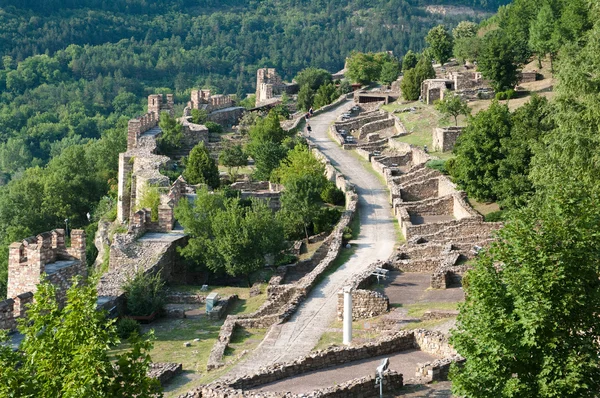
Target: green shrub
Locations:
point(144, 294)
point(346, 234)
point(331, 194)
point(126, 327)
point(495, 216)
point(214, 127)
point(438, 164)
point(326, 220)
point(505, 95)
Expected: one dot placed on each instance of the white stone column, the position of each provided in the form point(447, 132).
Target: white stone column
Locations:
point(347, 315)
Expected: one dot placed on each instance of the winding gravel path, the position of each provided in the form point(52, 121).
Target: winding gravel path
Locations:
point(301, 333)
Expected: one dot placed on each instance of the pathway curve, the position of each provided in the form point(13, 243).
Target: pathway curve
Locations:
point(300, 334)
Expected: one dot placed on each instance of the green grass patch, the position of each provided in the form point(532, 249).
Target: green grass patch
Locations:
point(329, 339)
point(417, 310)
point(244, 305)
point(429, 324)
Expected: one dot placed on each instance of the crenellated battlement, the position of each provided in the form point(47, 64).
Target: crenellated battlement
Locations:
point(203, 99)
point(45, 253)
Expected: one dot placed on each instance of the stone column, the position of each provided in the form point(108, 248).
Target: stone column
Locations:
point(347, 315)
point(124, 188)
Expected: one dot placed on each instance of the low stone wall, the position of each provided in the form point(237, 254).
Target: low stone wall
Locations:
point(164, 371)
point(401, 341)
point(365, 304)
point(374, 126)
point(439, 314)
point(219, 310)
point(185, 298)
point(357, 388)
point(444, 138)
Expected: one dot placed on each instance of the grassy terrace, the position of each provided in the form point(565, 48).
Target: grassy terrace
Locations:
point(171, 334)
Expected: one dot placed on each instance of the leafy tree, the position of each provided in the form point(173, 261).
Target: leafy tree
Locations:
point(301, 200)
point(233, 157)
point(313, 78)
point(478, 151)
point(440, 43)
point(213, 127)
point(465, 29)
point(496, 60)
point(144, 294)
point(199, 116)
point(409, 61)
point(172, 133)
point(306, 97)
point(541, 38)
point(228, 237)
point(531, 124)
point(363, 68)
point(65, 352)
point(467, 48)
point(325, 95)
point(411, 82)
point(267, 157)
point(249, 102)
point(529, 326)
point(200, 167)
point(299, 162)
point(389, 72)
point(453, 105)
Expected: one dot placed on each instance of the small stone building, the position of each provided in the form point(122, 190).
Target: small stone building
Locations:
point(445, 138)
point(434, 89)
point(527, 76)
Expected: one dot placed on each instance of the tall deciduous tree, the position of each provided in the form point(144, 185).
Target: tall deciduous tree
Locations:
point(541, 34)
point(440, 43)
point(529, 325)
point(306, 97)
point(464, 29)
point(497, 60)
point(313, 77)
point(478, 151)
point(363, 68)
point(201, 168)
point(227, 236)
point(233, 157)
point(409, 61)
point(172, 133)
point(389, 72)
point(411, 82)
point(65, 352)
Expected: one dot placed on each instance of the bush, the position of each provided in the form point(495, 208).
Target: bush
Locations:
point(346, 234)
point(126, 327)
point(326, 220)
point(331, 194)
point(438, 164)
point(495, 216)
point(214, 127)
point(144, 294)
point(505, 95)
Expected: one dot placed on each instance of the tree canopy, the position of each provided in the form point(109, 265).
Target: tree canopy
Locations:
point(201, 168)
point(65, 352)
point(440, 43)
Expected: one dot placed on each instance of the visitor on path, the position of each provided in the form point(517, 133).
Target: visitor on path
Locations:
point(308, 130)
point(310, 111)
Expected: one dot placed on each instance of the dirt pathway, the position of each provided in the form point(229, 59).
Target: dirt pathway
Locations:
point(301, 333)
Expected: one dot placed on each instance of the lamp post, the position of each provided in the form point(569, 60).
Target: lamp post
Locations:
point(385, 363)
point(347, 337)
point(66, 227)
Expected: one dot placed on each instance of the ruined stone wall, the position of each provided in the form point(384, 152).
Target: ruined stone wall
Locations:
point(158, 103)
point(378, 125)
point(365, 304)
point(443, 139)
point(398, 342)
point(420, 191)
point(29, 258)
point(221, 308)
point(226, 117)
point(164, 371)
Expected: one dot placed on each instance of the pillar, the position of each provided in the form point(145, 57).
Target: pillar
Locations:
point(347, 315)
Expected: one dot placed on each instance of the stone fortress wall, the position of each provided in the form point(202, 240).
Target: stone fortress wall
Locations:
point(269, 85)
point(34, 259)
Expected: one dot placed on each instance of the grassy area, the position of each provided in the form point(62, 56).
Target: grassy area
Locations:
point(171, 334)
point(482, 207)
point(362, 329)
point(429, 324)
point(417, 310)
point(311, 248)
point(241, 171)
